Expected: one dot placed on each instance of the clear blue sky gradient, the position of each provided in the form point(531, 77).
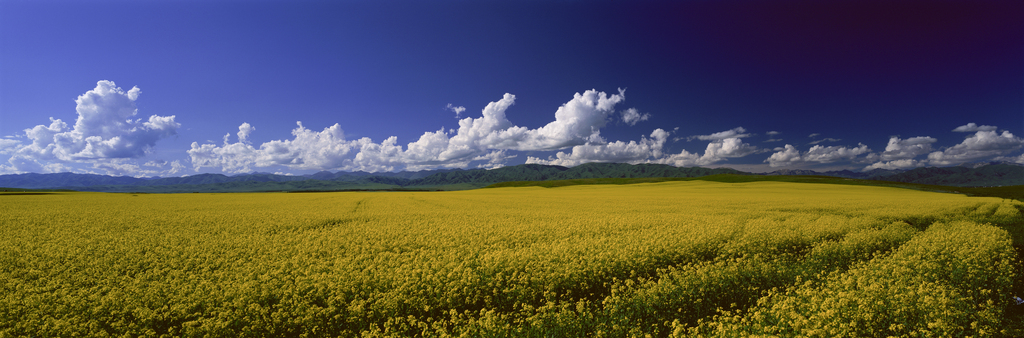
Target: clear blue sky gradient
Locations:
point(852, 72)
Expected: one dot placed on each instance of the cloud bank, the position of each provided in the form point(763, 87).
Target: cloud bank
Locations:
point(109, 136)
point(489, 137)
point(576, 126)
point(985, 144)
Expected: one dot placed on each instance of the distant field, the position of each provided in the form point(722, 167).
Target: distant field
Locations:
point(688, 258)
point(1012, 192)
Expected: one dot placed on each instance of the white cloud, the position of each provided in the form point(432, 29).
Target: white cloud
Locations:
point(618, 151)
point(104, 130)
point(307, 150)
point(577, 122)
point(737, 132)
point(984, 144)
point(495, 159)
point(898, 149)
point(900, 153)
point(833, 153)
point(906, 163)
point(772, 133)
point(827, 139)
point(813, 135)
point(784, 157)
point(9, 146)
point(682, 159)
point(631, 116)
point(243, 132)
point(175, 167)
point(971, 127)
point(1014, 159)
point(457, 110)
point(727, 148)
point(650, 150)
point(819, 154)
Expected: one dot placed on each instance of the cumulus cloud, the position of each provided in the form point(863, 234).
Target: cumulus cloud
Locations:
point(727, 148)
point(971, 127)
point(650, 150)
point(834, 153)
point(457, 110)
point(784, 156)
point(984, 144)
point(618, 151)
point(789, 155)
point(495, 159)
point(737, 132)
point(577, 122)
point(899, 149)
point(900, 153)
point(307, 150)
point(631, 116)
point(105, 129)
point(243, 132)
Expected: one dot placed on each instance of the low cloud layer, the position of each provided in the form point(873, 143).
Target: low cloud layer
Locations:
point(105, 132)
point(108, 136)
point(489, 137)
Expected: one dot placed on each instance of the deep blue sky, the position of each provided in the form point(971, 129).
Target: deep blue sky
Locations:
point(855, 73)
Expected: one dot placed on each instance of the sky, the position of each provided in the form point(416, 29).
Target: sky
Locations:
point(182, 87)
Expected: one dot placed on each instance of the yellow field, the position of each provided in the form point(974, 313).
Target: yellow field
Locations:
point(676, 258)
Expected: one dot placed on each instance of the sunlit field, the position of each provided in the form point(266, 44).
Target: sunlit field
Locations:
point(666, 259)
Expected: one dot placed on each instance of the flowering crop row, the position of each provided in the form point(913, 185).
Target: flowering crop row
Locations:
point(675, 258)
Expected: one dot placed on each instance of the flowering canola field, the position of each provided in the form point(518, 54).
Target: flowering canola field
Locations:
point(665, 259)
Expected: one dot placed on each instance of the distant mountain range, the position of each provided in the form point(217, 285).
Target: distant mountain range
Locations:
point(988, 174)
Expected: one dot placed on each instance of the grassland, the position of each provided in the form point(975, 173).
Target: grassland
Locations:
point(689, 258)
